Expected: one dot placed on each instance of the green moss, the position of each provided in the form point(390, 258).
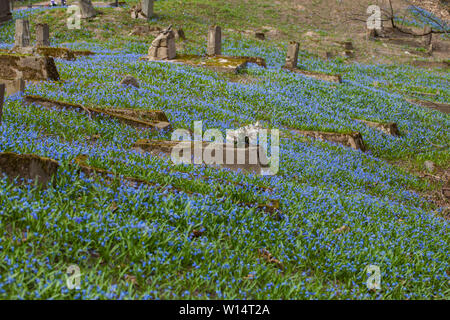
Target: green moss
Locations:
point(55, 52)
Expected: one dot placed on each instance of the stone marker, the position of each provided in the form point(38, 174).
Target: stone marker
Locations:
point(388, 128)
point(14, 86)
point(147, 8)
point(137, 12)
point(446, 192)
point(429, 165)
point(260, 35)
point(145, 30)
point(214, 41)
point(348, 54)
point(125, 116)
point(2, 98)
point(179, 34)
point(292, 55)
point(439, 106)
point(87, 9)
point(55, 52)
point(427, 38)
point(319, 75)
point(129, 80)
point(22, 36)
point(327, 55)
point(27, 67)
point(5, 11)
point(163, 47)
point(353, 140)
point(42, 35)
point(216, 63)
point(348, 45)
point(28, 166)
point(254, 158)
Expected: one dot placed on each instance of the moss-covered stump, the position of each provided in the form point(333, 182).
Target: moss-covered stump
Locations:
point(442, 107)
point(28, 167)
point(388, 127)
point(14, 66)
point(254, 157)
point(54, 52)
point(353, 140)
point(317, 75)
point(111, 113)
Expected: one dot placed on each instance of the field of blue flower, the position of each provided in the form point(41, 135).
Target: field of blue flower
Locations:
point(137, 242)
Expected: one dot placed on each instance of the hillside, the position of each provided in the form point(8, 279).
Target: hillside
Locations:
point(153, 230)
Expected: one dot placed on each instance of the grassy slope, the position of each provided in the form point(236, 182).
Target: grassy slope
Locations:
point(137, 242)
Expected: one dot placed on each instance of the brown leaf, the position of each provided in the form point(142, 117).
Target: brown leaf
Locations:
point(130, 278)
point(198, 233)
point(267, 256)
point(113, 207)
point(342, 229)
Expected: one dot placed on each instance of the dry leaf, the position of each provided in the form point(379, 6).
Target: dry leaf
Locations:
point(267, 256)
point(130, 278)
point(342, 229)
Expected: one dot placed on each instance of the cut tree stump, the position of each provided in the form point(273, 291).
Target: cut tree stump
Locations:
point(353, 140)
point(28, 166)
point(388, 128)
point(14, 66)
point(158, 147)
point(119, 114)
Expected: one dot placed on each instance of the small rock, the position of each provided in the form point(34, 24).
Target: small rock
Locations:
point(129, 80)
point(429, 165)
